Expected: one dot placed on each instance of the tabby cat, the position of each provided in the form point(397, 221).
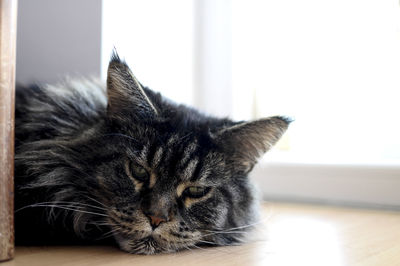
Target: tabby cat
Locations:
point(120, 163)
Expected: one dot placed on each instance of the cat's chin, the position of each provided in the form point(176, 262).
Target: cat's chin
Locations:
point(145, 246)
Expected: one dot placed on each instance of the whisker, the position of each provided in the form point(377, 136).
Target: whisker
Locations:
point(66, 207)
point(102, 204)
point(108, 234)
point(232, 229)
point(78, 203)
point(61, 206)
point(195, 246)
point(103, 224)
point(207, 242)
point(190, 248)
point(63, 203)
point(222, 232)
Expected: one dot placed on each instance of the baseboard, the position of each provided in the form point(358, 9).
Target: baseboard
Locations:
point(376, 186)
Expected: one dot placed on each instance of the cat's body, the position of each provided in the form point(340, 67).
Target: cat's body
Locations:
point(123, 163)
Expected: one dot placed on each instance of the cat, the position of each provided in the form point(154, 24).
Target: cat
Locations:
point(117, 162)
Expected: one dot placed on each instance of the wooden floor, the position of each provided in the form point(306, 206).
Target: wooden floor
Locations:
point(290, 234)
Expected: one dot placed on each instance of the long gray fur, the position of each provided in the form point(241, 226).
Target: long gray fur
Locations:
point(76, 145)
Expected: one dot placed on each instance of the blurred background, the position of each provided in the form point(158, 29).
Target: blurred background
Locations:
point(333, 66)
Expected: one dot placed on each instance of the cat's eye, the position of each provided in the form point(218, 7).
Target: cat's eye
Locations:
point(139, 172)
point(196, 192)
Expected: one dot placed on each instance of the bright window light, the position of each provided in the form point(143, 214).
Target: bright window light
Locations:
point(155, 37)
point(334, 66)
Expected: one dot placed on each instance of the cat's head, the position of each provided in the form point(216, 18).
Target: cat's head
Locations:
point(170, 177)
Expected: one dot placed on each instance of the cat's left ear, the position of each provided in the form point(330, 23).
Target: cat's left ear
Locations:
point(245, 142)
point(125, 94)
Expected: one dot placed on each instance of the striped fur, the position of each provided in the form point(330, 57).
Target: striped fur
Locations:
point(80, 145)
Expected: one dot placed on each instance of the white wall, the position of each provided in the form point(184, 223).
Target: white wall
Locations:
point(57, 38)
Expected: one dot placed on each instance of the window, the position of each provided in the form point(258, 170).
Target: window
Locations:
point(332, 65)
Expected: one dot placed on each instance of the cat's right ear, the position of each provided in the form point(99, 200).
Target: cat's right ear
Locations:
point(126, 96)
point(245, 142)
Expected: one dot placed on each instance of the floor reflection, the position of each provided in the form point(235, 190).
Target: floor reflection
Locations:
point(296, 240)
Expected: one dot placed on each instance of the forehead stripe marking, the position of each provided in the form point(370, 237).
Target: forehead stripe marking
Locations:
point(172, 140)
point(196, 173)
point(152, 180)
point(190, 168)
point(157, 157)
point(189, 150)
point(143, 153)
point(168, 152)
point(204, 173)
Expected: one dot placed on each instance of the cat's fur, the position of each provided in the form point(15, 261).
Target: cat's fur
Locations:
point(81, 147)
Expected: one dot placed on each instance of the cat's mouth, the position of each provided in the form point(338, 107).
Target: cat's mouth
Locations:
point(146, 246)
point(151, 244)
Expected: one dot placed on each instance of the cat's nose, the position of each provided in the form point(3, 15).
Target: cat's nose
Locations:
point(155, 221)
